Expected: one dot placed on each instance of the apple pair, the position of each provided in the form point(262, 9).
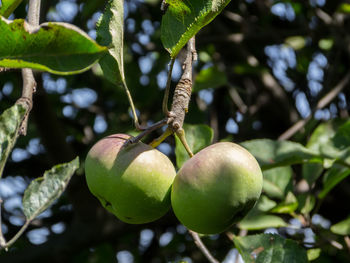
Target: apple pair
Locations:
point(212, 190)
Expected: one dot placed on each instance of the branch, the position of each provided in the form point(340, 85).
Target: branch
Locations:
point(182, 94)
point(29, 83)
point(183, 90)
point(202, 247)
point(321, 104)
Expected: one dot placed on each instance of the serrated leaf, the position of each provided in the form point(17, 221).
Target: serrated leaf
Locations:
point(198, 136)
point(270, 153)
point(269, 248)
point(342, 227)
point(183, 19)
point(261, 221)
point(209, 78)
point(110, 32)
point(10, 121)
point(332, 178)
point(8, 6)
point(58, 48)
point(277, 181)
point(42, 191)
point(289, 205)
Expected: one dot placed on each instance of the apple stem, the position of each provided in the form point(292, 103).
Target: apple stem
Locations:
point(167, 88)
point(181, 134)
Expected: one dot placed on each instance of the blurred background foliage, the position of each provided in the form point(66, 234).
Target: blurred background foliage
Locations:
point(263, 65)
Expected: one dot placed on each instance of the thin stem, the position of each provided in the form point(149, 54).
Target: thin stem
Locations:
point(202, 247)
point(167, 88)
point(18, 234)
point(347, 242)
point(149, 129)
point(181, 134)
point(136, 120)
point(321, 104)
point(2, 238)
point(161, 138)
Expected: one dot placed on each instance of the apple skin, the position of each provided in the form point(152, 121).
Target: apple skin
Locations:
point(216, 188)
point(133, 182)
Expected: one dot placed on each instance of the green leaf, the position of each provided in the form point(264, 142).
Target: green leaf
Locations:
point(342, 228)
point(265, 204)
point(8, 6)
point(10, 121)
point(277, 181)
point(289, 205)
point(344, 8)
point(313, 253)
point(269, 248)
point(326, 43)
point(58, 48)
point(296, 42)
point(261, 221)
point(311, 172)
point(306, 202)
point(110, 32)
point(184, 19)
point(257, 219)
point(270, 153)
point(332, 141)
point(197, 136)
point(209, 78)
point(42, 191)
point(333, 177)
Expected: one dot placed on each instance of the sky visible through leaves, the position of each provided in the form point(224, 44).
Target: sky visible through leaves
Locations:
point(280, 58)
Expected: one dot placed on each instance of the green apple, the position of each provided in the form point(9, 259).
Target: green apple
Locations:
point(132, 182)
point(216, 188)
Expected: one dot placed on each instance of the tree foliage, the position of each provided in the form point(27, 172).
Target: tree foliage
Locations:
point(270, 75)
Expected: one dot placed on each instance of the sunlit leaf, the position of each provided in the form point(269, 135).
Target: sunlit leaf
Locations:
point(183, 19)
point(344, 8)
point(10, 121)
point(8, 6)
point(110, 32)
point(277, 181)
point(58, 48)
point(261, 221)
point(42, 191)
point(332, 178)
point(197, 136)
point(313, 253)
point(289, 205)
point(270, 153)
point(342, 228)
point(269, 248)
point(296, 42)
